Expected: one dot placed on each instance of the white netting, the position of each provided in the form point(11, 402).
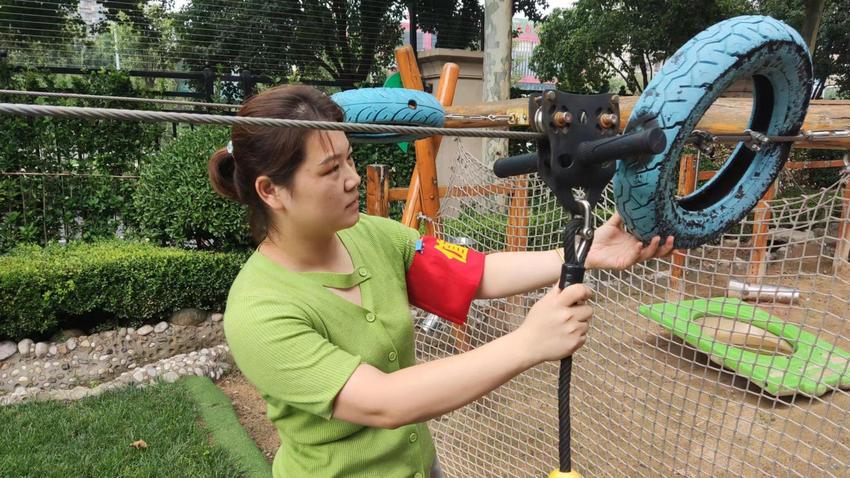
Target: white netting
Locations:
point(645, 403)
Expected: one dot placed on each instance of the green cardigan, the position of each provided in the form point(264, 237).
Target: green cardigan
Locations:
point(298, 343)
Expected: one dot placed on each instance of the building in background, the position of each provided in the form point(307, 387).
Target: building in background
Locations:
point(91, 12)
point(524, 42)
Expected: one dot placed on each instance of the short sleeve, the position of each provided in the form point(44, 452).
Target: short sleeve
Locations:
point(402, 237)
point(280, 353)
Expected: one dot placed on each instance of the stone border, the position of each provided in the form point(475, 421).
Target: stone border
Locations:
point(189, 344)
point(213, 363)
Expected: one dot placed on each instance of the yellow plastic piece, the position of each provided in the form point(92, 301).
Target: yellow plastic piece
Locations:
point(564, 474)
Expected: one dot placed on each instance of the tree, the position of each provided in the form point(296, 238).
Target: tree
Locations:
point(30, 20)
point(831, 57)
point(340, 39)
point(459, 24)
point(832, 50)
point(583, 47)
point(39, 30)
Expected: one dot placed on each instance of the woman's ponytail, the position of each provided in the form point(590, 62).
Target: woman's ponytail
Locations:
point(221, 169)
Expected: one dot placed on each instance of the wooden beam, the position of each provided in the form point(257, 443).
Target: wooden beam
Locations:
point(727, 116)
point(422, 194)
point(411, 79)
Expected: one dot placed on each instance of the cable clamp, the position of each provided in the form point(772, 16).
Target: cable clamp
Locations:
point(704, 141)
point(756, 141)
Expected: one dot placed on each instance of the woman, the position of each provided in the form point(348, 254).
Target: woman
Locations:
point(318, 319)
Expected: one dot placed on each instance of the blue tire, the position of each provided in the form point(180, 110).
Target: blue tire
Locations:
point(777, 59)
point(389, 106)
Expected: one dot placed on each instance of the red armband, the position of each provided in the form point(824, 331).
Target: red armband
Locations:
point(444, 277)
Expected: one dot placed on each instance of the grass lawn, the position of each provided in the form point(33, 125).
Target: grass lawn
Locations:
point(189, 428)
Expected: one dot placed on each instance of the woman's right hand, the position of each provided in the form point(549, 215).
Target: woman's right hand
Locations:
point(556, 326)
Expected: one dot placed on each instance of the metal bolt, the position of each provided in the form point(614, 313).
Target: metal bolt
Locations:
point(551, 95)
point(608, 120)
point(562, 119)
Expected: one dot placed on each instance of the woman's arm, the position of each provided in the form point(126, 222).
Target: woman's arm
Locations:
point(555, 327)
point(510, 273)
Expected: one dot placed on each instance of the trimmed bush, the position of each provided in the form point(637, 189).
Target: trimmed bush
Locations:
point(89, 204)
point(175, 203)
point(42, 289)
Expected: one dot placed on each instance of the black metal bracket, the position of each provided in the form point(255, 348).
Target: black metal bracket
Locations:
point(580, 145)
point(568, 120)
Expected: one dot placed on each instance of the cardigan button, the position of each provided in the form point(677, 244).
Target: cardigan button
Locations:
point(413, 438)
point(391, 356)
point(370, 317)
point(418, 475)
point(362, 272)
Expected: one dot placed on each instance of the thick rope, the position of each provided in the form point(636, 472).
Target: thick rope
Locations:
point(196, 118)
point(50, 94)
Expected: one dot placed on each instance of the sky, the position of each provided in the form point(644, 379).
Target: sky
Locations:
point(553, 4)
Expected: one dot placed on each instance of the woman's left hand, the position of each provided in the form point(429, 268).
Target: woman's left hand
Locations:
point(614, 248)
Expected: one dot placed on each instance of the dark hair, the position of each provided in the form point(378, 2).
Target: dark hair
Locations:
point(262, 151)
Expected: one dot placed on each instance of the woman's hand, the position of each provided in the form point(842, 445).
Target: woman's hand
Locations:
point(614, 248)
point(556, 326)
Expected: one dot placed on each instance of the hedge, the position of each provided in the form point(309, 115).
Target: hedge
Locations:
point(175, 204)
point(45, 288)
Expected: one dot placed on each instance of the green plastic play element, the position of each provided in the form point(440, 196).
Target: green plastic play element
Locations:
point(815, 366)
point(394, 81)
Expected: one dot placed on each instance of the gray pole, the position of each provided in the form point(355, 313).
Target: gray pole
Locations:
point(497, 64)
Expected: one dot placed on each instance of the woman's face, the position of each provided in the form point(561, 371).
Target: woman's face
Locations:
point(324, 196)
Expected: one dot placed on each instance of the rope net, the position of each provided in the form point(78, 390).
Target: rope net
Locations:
point(645, 401)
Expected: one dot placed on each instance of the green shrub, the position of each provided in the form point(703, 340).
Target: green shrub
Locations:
point(89, 204)
point(42, 289)
point(488, 229)
point(175, 204)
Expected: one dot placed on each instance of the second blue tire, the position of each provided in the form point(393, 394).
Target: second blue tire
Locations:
point(771, 53)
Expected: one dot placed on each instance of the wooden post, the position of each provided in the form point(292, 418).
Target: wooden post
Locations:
point(687, 184)
point(758, 256)
point(422, 192)
point(517, 231)
point(841, 263)
point(377, 190)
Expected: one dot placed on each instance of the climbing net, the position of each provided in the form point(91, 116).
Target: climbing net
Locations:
point(655, 390)
point(645, 401)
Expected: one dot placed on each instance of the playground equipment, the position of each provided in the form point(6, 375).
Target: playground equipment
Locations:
point(513, 197)
point(577, 143)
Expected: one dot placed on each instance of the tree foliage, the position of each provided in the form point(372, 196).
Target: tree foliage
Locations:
point(340, 40)
point(832, 51)
point(17, 17)
point(586, 46)
point(459, 24)
point(583, 47)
